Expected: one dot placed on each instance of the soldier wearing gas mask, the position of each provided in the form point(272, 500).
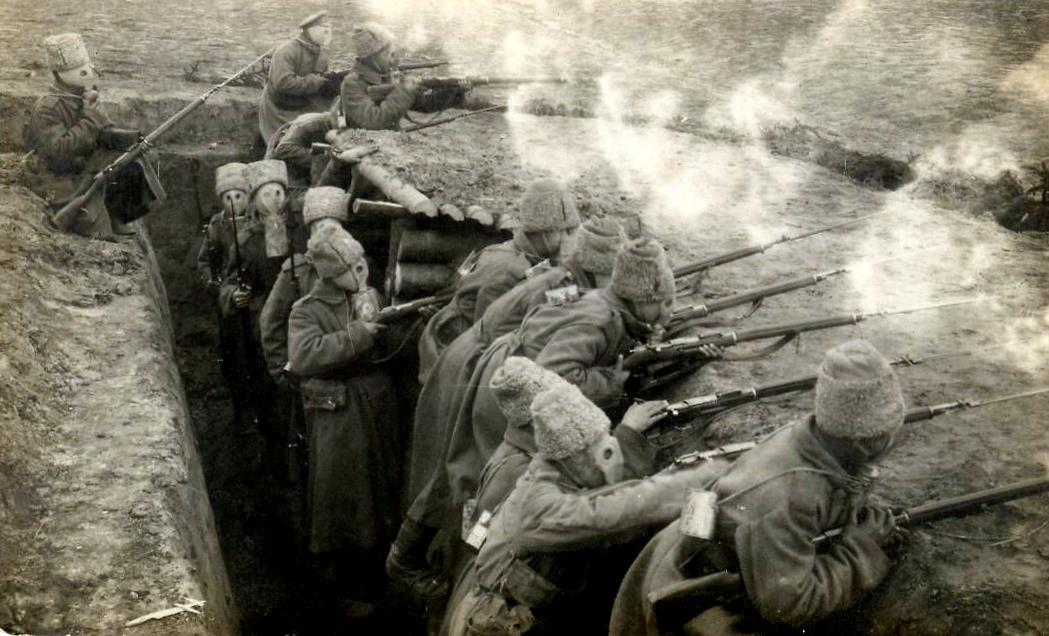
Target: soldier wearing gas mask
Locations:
point(569, 505)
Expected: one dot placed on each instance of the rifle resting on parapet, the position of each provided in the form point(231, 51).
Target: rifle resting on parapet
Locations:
point(66, 216)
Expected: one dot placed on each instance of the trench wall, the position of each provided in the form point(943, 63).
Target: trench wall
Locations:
point(111, 467)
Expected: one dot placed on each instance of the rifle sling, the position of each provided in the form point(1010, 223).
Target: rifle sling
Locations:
point(762, 352)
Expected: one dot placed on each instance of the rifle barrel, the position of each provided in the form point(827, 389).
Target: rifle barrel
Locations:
point(750, 295)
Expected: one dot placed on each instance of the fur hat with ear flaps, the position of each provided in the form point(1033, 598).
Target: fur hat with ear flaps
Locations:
point(642, 272)
point(231, 176)
point(516, 383)
point(597, 243)
point(566, 422)
point(65, 52)
point(333, 251)
point(267, 171)
point(857, 393)
point(371, 37)
point(325, 202)
point(547, 205)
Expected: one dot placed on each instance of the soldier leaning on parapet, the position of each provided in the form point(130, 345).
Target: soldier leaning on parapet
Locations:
point(771, 503)
point(298, 80)
point(68, 133)
point(540, 549)
point(375, 96)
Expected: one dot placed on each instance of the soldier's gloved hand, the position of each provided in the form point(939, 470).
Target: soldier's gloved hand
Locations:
point(643, 415)
point(242, 297)
point(374, 328)
point(877, 523)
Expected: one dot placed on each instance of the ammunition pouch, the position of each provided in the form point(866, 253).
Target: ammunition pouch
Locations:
point(323, 395)
point(491, 615)
point(528, 587)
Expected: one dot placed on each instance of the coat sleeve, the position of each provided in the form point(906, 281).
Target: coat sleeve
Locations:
point(273, 322)
point(572, 354)
point(365, 113)
point(553, 520)
point(313, 351)
point(786, 578)
point(639, 455)
point(284, 78)
point(495, 288)
point(294, 146)
point(58, 140)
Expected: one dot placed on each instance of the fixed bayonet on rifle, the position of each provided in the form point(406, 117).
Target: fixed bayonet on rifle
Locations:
point(66, 216)
point(394, 313)
point(759, 248)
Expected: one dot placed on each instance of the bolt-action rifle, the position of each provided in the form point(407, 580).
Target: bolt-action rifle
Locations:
point(685, 354)
point(393, 313)
point(66, 216)
point(759, 248)
point(685, 599)
point(915, 414)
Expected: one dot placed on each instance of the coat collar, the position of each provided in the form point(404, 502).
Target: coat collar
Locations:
point(812, 450)
point(59, 88)
point(634, 327)
point(305, 43)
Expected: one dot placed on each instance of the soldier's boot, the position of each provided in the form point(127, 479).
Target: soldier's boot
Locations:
point(407, 565)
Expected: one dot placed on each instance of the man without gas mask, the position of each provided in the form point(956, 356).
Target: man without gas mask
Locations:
point(568, 508)
point(72, 139)
point(298, 81)
point(351, 411)
point(803, 480)
point(375, 95)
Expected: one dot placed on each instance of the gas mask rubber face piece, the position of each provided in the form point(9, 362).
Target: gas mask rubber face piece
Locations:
point(84, 76)
point(360, 273)
point(235, 201)
point(609, 458)
point(269, 199)
point(320, 34)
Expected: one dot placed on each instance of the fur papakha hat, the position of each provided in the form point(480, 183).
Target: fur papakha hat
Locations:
point(231, 176)
point(566, 422)
point(857, 392)
point(325, 202)
point(597, 243)
point(642, 272)
point(547, 205)
point(313, 19)
point(333, 251)
point(516, 383)
point(267, 171)
point(371, 37)
point(65, 52)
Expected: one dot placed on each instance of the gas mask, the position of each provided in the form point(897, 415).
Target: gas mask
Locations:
point(84, 76)
point(269, 201)
point(608, 457)
point(320, 34)
point(234, 202)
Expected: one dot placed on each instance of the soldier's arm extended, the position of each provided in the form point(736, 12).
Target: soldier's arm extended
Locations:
point(312, 351)
point(294, 147)
point(370, 115)
point(573, 353)
point(79, 139)
point(284, 79)
point(788, 580)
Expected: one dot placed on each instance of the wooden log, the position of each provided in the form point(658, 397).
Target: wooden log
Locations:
point(436, 246)
point(479, 214)
point(396, 190)
point(385, 209)
point(412, 280)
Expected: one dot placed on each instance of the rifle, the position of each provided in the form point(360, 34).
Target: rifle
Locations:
point(66, 216)
point(692, 596)
point(688, 348)
point(243, 313)
point(415, 66)
point(393, 313)
point(914, 414)
point(759, 248)
point(703, 408)
point(490, 80)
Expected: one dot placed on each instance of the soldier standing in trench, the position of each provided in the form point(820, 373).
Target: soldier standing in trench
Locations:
point(351, 411)
point(69, 134)
point(298, 80)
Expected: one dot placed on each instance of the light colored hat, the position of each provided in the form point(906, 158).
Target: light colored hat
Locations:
point(65, 51)
point(597, 243)
point(333, 251)
point(566, 422)
point(370, 38)
point(267, 171)
point(857, 392)
point(516, 383)
point(313, 19)
point(325, 202)
point(642, 272)
point(547, 205)
point(231, 176)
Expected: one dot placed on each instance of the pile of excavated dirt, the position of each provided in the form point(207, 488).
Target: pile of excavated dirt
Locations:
point(103, 512)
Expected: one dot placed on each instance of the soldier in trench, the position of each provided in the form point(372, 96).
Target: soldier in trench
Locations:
point(299, 81)
point(71, 138)
point(351, 410)
point(374, 95)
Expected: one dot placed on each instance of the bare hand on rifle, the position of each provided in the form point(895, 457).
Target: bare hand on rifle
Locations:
point(409, 82)
point(91, 96)
point(242, 297)
point(429, 311)
point(619, 375)
point(642, 416)
point(875, 522)
point(710, 352)
point(374, 328)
